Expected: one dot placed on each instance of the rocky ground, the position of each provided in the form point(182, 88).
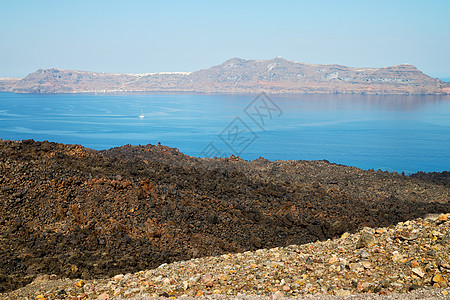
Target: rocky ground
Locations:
point(79, 213)
point(393, 261)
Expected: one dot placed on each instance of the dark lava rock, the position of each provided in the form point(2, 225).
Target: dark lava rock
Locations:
point(76, 212)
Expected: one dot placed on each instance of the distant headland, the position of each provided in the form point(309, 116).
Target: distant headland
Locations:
point(237, 76)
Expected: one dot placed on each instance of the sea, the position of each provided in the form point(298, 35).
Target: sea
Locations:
point(401, 133)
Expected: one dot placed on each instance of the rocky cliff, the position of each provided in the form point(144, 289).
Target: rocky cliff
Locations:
point(239, 76)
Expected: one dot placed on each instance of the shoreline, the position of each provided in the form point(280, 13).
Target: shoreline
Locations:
point(178, 92)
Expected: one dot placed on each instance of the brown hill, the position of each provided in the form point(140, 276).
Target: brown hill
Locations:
point(76, 212)
point(240, 76)
point(282, 76)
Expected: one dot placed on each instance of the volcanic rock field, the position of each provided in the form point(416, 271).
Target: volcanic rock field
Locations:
point(81, 213)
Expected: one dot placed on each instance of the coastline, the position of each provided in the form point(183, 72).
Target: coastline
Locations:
point(255, 93)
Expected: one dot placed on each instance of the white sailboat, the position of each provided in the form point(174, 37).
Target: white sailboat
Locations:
point(142, 114)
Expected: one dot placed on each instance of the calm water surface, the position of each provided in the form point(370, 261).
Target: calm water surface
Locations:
point(395, 133)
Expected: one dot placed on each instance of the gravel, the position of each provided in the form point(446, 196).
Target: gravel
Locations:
point(334, 269)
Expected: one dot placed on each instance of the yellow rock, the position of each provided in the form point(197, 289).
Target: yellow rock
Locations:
point(199, 293)
point(438, 278)
point(80, 283)
point(443, 217)
point(345, 235)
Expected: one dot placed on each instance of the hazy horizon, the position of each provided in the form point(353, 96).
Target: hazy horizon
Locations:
point(140, 36)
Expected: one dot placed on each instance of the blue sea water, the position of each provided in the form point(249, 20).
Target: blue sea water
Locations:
point(394, 133)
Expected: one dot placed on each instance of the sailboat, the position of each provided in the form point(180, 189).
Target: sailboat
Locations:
point(142, 114)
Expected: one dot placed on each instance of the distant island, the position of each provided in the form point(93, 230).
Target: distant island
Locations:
point(236, 76)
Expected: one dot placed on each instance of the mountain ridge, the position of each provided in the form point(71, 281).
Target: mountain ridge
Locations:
point(238, 75)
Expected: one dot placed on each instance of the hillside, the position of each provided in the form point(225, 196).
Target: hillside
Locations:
point(408, 261)
point(76, 212)
point(239, 76)
point(6, 84)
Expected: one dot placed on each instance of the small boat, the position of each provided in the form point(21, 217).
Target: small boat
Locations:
point(142, 114)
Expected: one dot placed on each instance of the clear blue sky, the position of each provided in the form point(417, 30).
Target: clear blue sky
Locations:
point(138, 36)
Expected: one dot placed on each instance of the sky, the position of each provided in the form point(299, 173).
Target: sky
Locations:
point(141, 36)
